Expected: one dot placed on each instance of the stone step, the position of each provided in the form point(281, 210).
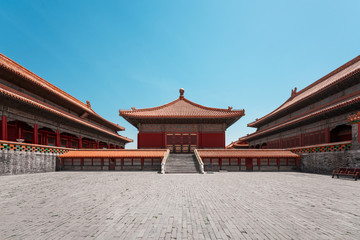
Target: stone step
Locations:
point(181, 163)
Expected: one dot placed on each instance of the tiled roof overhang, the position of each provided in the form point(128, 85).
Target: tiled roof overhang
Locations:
point(246, 153)
point(114, 153)
point(38, 83)
point(237, 143)
point(308, 116)
point(21, 97)
point(182, 110)
point(316, 89)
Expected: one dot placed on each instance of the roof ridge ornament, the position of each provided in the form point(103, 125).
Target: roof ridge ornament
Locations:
point(293, 92)
point(181, 91)
point(88, 104)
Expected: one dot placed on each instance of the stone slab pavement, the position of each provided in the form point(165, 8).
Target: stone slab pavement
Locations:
point(147, 205)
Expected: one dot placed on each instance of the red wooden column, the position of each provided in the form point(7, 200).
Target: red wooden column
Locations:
point(278, 163)
point(138, 140)
point(108, 146)
point(57, 138)
point(80, 142)
point(4, 128)
point(327, 135)
point(20, 130)
point(97, 145)
point(36, 134)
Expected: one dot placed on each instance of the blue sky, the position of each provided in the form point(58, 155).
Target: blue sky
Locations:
point(119, 54)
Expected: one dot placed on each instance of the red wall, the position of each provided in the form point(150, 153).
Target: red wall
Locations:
point(150, 140)
point(212, 140)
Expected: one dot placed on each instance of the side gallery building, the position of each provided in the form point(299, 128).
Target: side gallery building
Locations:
point(181, 125)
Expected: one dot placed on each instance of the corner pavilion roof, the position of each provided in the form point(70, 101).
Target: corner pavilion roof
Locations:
point(182, 108)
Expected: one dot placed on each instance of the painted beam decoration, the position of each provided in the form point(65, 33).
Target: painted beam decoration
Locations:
point(354, 118)
point(23, 147)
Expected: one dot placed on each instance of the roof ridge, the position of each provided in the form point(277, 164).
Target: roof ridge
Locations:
point(175, 101)
point(15, 67)
point(327, 76)
point(149, 109)
point(210, 108)
point(332, 73)
point(36, 77)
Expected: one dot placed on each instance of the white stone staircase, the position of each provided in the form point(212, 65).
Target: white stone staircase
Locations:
point(182, 163)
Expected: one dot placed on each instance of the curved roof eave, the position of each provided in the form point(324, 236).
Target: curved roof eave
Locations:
point(38, 104)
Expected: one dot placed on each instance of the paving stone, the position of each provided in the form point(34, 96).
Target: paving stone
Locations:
point(147, 205)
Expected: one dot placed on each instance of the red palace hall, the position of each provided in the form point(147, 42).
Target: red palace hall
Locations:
point(181, 125)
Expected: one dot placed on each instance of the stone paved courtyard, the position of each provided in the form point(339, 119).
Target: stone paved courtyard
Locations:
point(147, 205)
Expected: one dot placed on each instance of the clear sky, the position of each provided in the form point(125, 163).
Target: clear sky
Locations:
point(120, 54)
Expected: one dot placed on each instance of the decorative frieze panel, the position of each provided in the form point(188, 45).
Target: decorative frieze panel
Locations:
point(151, 128)
point(181, 128)
point(31, 148)
point(323, 148)
point(212, 127)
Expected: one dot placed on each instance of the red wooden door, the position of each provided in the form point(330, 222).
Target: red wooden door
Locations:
point(181, 142)
point(249, 164)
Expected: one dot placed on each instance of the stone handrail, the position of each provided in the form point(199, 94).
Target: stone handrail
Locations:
point(201, 163)
point(163, 162)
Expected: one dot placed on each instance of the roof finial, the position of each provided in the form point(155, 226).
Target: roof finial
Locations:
point(88, 104)
point(181, 93)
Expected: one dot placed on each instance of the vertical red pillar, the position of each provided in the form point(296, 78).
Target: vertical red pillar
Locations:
point(18, 130)
point(80, 142)
point(199, 143)
point(223, 144)
point(97, 145)
point(57, 138)
point(164, 140)
point(108, 146)
point(4, 128)
point(35, 134)
point(138, 141)
point(327, 135)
